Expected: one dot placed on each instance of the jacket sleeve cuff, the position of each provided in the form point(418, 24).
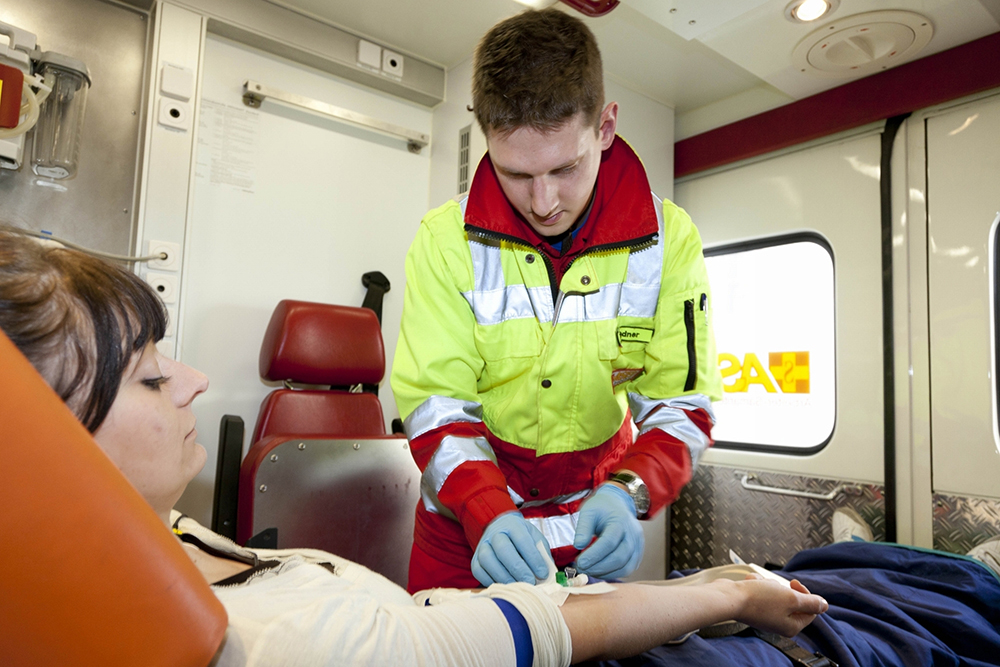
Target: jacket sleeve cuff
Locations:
point(477, 493)
point(664, 464)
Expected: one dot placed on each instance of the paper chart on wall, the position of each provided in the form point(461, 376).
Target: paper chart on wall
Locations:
point(228, 139)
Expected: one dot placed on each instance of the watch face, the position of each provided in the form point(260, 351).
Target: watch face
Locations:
point(636, 489)
point(641, 498)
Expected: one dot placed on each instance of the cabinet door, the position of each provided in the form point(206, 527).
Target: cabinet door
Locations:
point(828, 194)
point(963, 200)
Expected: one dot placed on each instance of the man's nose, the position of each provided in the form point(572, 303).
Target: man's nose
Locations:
point(544, 197)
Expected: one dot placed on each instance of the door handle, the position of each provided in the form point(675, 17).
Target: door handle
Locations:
point(842, 487)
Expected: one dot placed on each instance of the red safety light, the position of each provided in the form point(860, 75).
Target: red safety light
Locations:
point(592, 7)
point(11, 86)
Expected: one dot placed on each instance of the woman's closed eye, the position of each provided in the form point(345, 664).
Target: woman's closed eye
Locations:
point(156, 383)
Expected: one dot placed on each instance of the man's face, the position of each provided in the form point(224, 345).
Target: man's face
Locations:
point(548, 177)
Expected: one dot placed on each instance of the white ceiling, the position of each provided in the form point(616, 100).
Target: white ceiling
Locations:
point(734, 60)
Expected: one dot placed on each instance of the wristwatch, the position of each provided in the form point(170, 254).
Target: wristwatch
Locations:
point(636, 489)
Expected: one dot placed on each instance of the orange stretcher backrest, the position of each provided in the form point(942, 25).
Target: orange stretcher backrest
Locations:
point(89, 575)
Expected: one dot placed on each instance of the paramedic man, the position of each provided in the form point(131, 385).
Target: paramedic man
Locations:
point(540, 311)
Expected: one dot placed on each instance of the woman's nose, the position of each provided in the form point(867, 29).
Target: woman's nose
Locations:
point(201, 381)
point(192, 382)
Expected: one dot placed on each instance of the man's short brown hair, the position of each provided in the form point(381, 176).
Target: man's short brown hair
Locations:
point(537, 69)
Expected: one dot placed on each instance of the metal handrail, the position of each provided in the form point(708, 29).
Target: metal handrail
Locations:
point(255, 93)
point(843, 486)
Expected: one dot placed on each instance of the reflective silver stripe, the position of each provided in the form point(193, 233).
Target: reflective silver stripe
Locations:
point(599, 305)
point(645, 267)
point(486, 264)
point(432, 504)
point(558, 530)
point(558, 500)
point(493, 301)
point(541, 302)
point(670, 417)
point(451, 453)
point(496, 306)
point(440, 410)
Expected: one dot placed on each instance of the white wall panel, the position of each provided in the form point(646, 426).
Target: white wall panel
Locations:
point(320, 203)
point(648, 127)
point(449, 118)
point(963, 190)
point(832, 189)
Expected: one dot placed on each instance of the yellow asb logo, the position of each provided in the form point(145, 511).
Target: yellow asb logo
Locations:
point(790, 372)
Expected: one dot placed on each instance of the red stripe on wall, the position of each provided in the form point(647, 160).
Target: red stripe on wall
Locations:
point(963, 70)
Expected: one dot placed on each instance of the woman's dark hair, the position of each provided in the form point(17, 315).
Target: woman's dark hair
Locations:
point(78, 320)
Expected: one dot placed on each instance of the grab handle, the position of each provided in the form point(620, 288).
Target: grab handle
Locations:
point(843, 486)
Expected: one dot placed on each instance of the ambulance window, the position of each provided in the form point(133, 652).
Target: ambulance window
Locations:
point(773, 316)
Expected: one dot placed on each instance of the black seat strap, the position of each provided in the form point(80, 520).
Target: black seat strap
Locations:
point(377, 285)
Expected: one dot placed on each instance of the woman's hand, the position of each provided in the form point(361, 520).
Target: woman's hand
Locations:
point(772, 607)
point(635, 617)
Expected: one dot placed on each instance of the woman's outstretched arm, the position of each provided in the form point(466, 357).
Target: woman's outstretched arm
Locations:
point(635, 617)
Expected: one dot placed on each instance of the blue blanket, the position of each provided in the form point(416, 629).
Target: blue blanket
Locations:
point(889, 605)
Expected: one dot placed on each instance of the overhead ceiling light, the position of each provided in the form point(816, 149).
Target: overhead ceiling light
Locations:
point(803, 11)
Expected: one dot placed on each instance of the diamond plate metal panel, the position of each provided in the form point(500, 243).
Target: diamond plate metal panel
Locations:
point(961, 523)
point(715, 514)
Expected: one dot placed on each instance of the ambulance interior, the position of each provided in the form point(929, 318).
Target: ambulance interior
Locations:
point(843, 172)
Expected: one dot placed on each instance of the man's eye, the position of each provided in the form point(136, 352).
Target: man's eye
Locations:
point(155, 383)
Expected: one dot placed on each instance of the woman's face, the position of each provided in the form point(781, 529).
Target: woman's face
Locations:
point(150, 431)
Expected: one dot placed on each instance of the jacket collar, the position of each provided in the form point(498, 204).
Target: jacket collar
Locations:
point(623, 209)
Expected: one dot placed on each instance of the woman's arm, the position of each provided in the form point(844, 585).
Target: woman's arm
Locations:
point(635, 618)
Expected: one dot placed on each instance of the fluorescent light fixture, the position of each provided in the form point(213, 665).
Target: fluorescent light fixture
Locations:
point(537, 4)
point(804, 11)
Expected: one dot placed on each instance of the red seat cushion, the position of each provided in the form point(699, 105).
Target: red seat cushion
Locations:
point(330, 414)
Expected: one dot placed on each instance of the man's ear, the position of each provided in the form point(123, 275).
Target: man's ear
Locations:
point(609, 123)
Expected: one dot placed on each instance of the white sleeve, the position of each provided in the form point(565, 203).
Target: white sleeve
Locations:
point(550, 636)
point(324, 620)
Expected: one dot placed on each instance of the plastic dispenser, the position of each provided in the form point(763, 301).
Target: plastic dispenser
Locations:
point(56, 149)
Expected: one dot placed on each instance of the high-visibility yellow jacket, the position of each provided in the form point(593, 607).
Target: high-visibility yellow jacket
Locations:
point(515, 393)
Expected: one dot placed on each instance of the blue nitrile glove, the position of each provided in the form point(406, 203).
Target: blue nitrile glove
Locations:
point(507, 553)
point(609, 515)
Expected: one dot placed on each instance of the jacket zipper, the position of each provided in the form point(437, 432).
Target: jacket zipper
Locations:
point(692, 376)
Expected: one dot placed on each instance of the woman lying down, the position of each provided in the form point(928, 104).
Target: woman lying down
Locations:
point(89, 328)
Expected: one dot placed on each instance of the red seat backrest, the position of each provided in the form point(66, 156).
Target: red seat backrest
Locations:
point(321, 344)
point(91, 575)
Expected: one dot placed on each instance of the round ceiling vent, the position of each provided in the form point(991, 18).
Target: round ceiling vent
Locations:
point(862, 44)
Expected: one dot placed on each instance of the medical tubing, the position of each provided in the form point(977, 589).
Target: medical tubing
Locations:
point(29, 121)
point(95, 253)
point(44, 90)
